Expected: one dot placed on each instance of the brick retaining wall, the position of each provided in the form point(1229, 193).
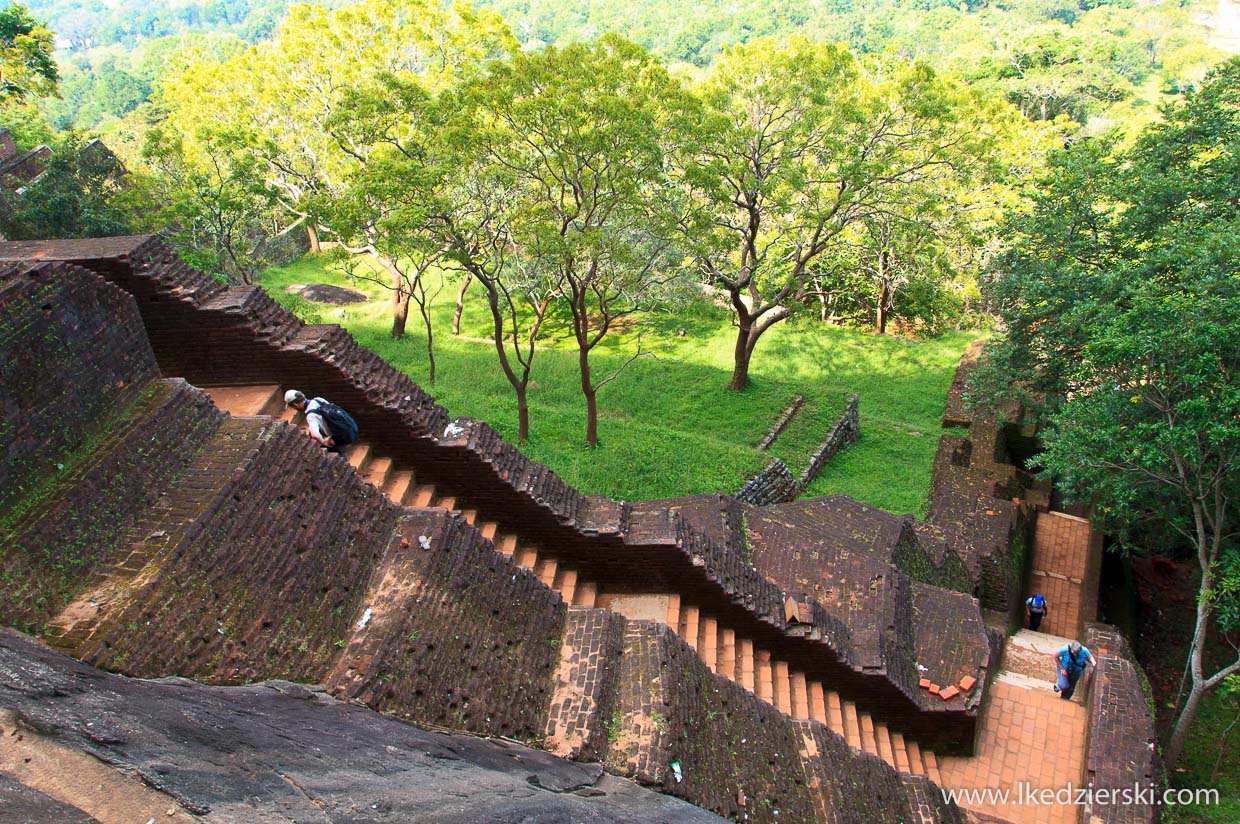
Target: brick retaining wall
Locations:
point(1121, 751)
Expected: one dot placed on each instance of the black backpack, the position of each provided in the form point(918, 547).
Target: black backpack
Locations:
point(341, 423)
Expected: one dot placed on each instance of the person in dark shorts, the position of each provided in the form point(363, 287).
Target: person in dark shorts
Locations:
point(327, 423)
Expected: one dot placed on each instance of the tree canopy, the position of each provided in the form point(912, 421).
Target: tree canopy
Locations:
point(26, 65)
point(1121, 300)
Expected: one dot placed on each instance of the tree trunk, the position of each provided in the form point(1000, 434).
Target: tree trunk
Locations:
point(880, 320)
point(430, 336)
point(741, 355)
point(1179, 736)
point(523, 415)
point(400, 312)
point(313, 234)
point(460, 305)
point(587, 389)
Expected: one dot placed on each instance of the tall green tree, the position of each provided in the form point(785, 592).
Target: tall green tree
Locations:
point(800, 143)
point(1121, 300)
point(582, 132)
point(286, 98)
point(27, 67)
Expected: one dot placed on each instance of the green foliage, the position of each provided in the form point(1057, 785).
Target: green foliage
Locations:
point(80, 194)
point(26, 64)
point(1121, 298)
point(822, 179)
point(667, 425)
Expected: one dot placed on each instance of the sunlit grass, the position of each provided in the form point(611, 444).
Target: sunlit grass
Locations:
point(668, 425)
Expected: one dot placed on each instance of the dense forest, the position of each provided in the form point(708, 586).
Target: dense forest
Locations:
point(1086, 59)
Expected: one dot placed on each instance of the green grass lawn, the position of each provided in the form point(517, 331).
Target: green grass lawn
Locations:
point(668, 425)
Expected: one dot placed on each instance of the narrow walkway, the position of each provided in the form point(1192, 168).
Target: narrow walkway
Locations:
point(1067, 561)
point(1029, 738)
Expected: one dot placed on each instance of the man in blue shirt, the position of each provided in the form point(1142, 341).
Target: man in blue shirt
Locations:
point(1035, 610)
point(1070, 662)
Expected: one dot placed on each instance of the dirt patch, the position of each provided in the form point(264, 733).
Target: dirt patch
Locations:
point(1029, 662)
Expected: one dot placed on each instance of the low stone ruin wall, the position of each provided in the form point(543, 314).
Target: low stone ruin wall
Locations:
point(776, 484)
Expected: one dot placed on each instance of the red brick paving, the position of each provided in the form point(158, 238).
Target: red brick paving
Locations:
point(1030, 736)
point(1067, 555)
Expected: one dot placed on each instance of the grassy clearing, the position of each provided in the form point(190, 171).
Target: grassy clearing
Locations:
point(668, 425)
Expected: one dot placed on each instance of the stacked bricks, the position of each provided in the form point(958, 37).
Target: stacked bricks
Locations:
point(1121, 752)
point(77, 529)
point(737, 755)
point(586, 684)
point(979, 501)
point(848, 555)
point(847, 430)
point(208, 334)
point(258, 557)
point(851, 788)
point(61, 322)
point(452, 633)
point(773, 484)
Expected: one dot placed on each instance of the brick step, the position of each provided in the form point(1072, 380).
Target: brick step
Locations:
point(852, 725)
point(800, 696)
point(506, 544)
point(399, 486)
point(526, 555)
point(781, 686)
point(883, 740)
point(585, 595)
point(247, 401)
point(900, 752)
point(869, 743)
point(818, 704)
point(915, 764)
point(377, 472)
point(565, 584)
point(489, 530)
point(545, 569)
point(359, 455)
point(835, 713)
point(932, 766)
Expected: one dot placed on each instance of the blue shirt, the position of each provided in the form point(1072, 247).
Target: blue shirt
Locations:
point(1065, 659)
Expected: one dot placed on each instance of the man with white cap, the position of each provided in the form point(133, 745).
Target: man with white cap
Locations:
point(327, 423)
point(1070, 662)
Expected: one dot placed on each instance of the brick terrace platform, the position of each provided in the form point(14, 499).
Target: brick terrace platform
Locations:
point(1028, 735)
point(1067, 560)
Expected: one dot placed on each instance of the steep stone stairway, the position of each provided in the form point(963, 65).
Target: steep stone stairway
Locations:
point(720, 647)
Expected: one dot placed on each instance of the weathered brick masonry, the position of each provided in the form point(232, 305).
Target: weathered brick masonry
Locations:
point(176, 540)
point(1121, 751)
point(209, 334)
point(236, 550)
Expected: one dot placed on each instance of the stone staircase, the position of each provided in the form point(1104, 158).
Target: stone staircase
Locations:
point(724, 652)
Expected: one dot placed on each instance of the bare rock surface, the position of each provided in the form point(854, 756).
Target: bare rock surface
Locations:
point(277, 752)
point(327, 293)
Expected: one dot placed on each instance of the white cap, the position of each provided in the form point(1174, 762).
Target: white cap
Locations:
point(293, 396)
